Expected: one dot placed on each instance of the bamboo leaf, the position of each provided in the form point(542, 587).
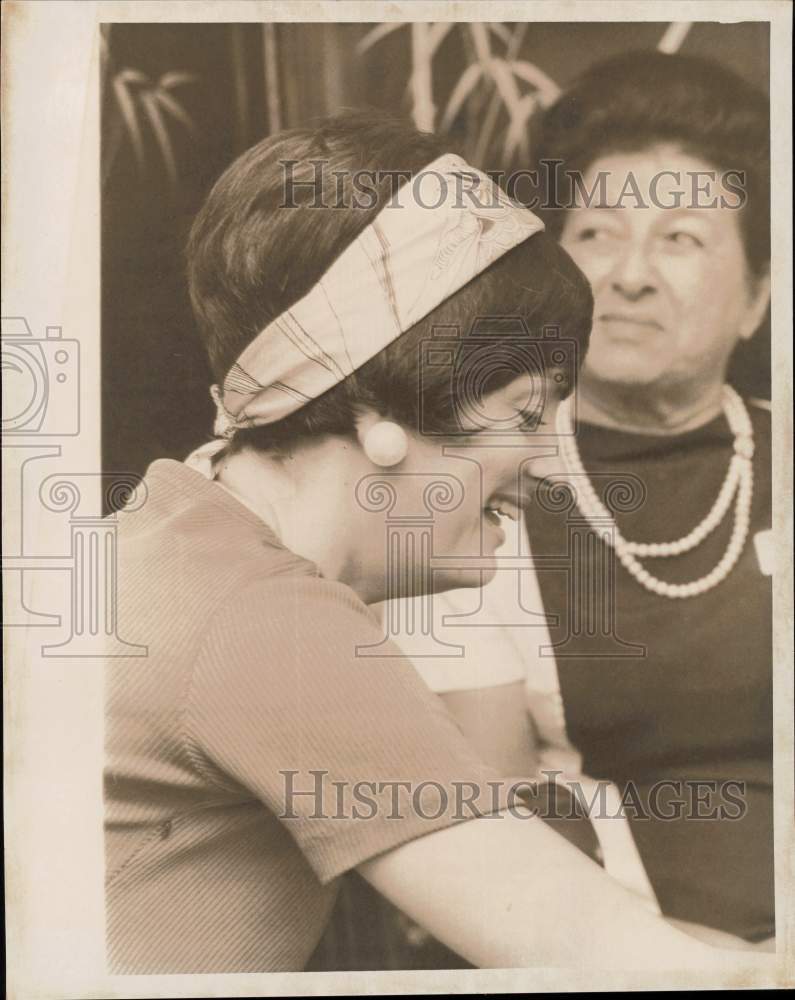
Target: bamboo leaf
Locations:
point(544, 84)
point(175, 109)
point(480, 37)
point(492, 114)
point(152, 111)
point(433, 39)
point(516, 135)
point(674, 35)
point(175, 78)
point(423, 109)
point(373, 37)
point(505, 83)
point(466, 84)
point(437, 34)
point(134, 76)
point(517, 38)
point(130, 115)
point(512, 101)
point(500, 31)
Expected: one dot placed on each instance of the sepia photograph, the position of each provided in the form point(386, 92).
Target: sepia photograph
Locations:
point(397, 529)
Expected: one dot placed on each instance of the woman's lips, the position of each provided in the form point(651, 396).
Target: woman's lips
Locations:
point(626, 322)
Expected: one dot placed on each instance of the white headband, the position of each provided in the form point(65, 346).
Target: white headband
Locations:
point(441, 228)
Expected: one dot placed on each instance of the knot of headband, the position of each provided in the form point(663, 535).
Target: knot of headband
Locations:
point(441, 228)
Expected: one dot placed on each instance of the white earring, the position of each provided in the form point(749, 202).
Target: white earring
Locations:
point(385, 444)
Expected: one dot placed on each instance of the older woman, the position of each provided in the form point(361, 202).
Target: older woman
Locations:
point(259, 752)
point(654, 566)
point(679, 281)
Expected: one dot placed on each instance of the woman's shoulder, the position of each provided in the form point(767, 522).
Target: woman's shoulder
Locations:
point(191, 542)
point(295, 600)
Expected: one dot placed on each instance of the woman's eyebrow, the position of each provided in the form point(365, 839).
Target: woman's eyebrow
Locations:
point(688, 212)
point(610, 211)
point(598, 207)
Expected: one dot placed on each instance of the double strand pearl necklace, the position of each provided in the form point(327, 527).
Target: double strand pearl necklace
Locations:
point(739, 480)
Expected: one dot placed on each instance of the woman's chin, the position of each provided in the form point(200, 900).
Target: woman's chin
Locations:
point(466, 578)
point(627, 369)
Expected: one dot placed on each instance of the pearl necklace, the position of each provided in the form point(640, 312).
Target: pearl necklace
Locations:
point(739, 480)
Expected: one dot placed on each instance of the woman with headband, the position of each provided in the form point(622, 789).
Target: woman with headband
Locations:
point(260, 751)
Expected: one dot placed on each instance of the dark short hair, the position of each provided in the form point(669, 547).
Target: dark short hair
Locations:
point(639, 99)
point(249, 260)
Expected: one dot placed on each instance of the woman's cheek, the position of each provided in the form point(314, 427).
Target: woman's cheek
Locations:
point(707, 305)
point(690, 282)
point(596, 265)
point(711, 287)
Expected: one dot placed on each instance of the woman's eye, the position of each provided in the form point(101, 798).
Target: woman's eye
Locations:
point(683, 239)
point(592, 233)
point(529, 421)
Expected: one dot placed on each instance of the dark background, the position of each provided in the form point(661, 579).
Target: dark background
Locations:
point(249, 80)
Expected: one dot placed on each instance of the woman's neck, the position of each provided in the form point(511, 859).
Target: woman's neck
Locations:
point(648, 409)
point(305, 500)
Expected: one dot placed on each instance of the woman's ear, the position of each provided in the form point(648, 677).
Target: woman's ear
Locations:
point(384, 442)
point(758, 302)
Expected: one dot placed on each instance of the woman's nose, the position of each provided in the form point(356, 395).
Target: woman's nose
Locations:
point(633, 275)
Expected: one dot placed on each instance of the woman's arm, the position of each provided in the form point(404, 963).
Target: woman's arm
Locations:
point(505, 891)
point(496, 722)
